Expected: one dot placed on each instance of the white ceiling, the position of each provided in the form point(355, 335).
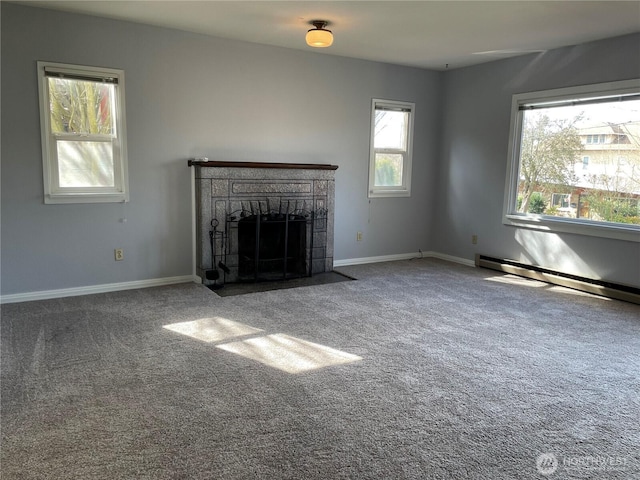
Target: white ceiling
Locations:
point(427, 34)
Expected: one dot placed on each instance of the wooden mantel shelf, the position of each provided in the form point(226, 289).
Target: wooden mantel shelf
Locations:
point(295, 166)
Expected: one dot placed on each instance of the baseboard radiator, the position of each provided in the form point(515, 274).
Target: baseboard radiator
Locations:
point(598, 287)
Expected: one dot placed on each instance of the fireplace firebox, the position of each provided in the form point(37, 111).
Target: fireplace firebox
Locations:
point(272, 247)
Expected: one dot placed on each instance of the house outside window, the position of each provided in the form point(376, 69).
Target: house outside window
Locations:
point(391, 143)
point(565, 149)
point(83, 134)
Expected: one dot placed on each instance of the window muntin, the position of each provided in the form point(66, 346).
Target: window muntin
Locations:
point(567, 144)
point(390, 161)
point(83, 133)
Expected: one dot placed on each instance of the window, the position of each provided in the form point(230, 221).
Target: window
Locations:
point(595, 138)
point(560, 200)
point(391, 139)
point(562, 175)
point(83, 134)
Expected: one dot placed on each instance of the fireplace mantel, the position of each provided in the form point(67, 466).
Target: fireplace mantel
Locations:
point(227, 190)
point(294, 166)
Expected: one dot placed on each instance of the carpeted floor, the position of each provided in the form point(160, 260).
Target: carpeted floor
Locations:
point(419, 370)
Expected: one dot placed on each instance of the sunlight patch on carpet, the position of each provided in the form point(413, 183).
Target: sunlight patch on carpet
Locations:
point(289, 354)
point(215, 329)
point(530, 282)
point(515, 280)
point(578, 293)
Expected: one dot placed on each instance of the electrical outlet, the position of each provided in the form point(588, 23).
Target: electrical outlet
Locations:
point(118, 253)
point(474, 239)
point(359, 237)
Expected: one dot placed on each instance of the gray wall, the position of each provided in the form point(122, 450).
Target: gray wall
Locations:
point(190, 95)
point(472, 168)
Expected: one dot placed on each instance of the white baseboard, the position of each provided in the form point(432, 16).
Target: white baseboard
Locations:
point(451, 258)
point(107, 287)
point(403, 256)
point(383, 258)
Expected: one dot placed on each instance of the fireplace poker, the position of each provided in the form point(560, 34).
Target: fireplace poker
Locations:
point(213, 273)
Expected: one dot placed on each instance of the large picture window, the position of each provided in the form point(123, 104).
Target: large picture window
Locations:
point(391, 139)
point(83, 133)
point(574, 161)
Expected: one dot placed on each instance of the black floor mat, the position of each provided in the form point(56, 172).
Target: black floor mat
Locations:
point(231, 289)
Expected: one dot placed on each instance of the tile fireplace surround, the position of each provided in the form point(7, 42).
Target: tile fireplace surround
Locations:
point(226, 191)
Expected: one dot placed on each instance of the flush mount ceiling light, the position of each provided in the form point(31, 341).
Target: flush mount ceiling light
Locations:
point(319, 36)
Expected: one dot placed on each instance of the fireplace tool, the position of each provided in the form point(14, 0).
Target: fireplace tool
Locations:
point(213, 273)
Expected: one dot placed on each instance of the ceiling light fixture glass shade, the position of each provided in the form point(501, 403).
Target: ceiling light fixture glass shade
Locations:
point(319, 37)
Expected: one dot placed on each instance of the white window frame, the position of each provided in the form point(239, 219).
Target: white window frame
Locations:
point(550, 223)
point(53, 192)
point(403, 190)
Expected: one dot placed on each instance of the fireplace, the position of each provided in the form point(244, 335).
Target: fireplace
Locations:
point(263, 221)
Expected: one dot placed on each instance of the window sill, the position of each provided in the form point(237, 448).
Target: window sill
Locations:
point(615, 231)
point(389, 193)
point(86, 198)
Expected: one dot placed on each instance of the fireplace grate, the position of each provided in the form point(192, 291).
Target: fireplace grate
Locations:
point(273, 247)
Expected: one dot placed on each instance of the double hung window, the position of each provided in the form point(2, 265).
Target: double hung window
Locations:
point(391, 141)
point(83, 133)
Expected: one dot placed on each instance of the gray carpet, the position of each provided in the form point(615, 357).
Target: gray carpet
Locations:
point(419, 370)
